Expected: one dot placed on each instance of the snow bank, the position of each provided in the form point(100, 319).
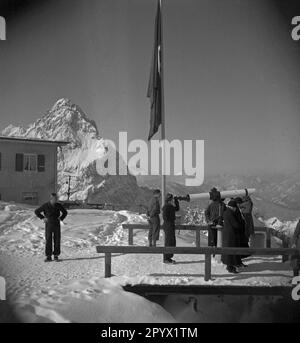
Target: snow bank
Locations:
point(11, 206)
point(95, 300)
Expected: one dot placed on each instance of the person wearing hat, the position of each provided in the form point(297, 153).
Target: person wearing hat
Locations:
point(153, 213)
point(169, 216)
point(230, 236)
point(242, 237)
point(246, 207)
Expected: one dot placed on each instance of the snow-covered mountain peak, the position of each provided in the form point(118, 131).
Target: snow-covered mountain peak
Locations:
point(64, 121)
point(61, 103)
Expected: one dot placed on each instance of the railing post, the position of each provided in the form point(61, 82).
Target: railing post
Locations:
point(285, 244)
point(219, 242)
point(107, 268)
point(207, 275)
point(130, 236)
point(268, 238)
point(197, 237)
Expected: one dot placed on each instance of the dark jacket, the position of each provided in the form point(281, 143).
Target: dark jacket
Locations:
point(53, 213)
point(169, 212)
point(246, 208)
point(230, 236)
point(169, 216)
point(240, 218)
point(153, 208)
point(247, 205)
point(242, 238)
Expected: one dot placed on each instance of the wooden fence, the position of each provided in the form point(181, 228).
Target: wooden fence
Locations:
point(207, 251)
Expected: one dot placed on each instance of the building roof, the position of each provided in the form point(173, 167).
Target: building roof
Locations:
point(32, 140)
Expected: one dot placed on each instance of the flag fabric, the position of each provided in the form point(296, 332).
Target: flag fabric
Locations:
point(155, 92)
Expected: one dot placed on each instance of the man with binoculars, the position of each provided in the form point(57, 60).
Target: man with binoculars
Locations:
point(169, 216)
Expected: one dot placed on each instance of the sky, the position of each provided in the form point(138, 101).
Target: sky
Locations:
point(232, 73)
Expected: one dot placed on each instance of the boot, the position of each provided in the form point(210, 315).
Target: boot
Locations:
point(232, 269)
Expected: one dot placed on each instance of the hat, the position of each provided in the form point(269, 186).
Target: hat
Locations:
point(232, 203)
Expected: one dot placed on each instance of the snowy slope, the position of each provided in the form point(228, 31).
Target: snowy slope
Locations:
point(67, 122)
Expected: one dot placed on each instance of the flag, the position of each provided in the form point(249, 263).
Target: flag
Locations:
point(155, 91)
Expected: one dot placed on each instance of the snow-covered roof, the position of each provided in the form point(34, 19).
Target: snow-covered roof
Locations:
point(33, 140)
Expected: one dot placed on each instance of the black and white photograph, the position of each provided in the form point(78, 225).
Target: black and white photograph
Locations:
point(149, 164)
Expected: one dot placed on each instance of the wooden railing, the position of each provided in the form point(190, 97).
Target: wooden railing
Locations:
point(207, 251)
point(196, 228)
point(101, 206)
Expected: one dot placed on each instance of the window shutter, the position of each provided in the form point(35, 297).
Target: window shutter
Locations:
point(0, 162)
point(41, 163)
point(19, 162)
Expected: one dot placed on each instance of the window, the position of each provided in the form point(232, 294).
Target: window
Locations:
point(19, 162)
point(30, 197)
point(41, 163)
point(30, 162)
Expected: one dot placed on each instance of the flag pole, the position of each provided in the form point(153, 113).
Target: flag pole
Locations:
point(163, 128)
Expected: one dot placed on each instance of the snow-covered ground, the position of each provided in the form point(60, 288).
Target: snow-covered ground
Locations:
point(74, 290)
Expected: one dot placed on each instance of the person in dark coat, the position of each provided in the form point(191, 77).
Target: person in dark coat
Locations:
point(169, 216)
point(246, 207)
point(154, 220)
point(295, 259)
point(243, 239)
point(230, 236)
point(52, 213)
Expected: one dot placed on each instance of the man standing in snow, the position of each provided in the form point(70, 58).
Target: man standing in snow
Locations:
point(154, 220)
point(52, 213)
point(169, 215)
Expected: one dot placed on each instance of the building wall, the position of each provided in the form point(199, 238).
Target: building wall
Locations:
point(13, 183)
